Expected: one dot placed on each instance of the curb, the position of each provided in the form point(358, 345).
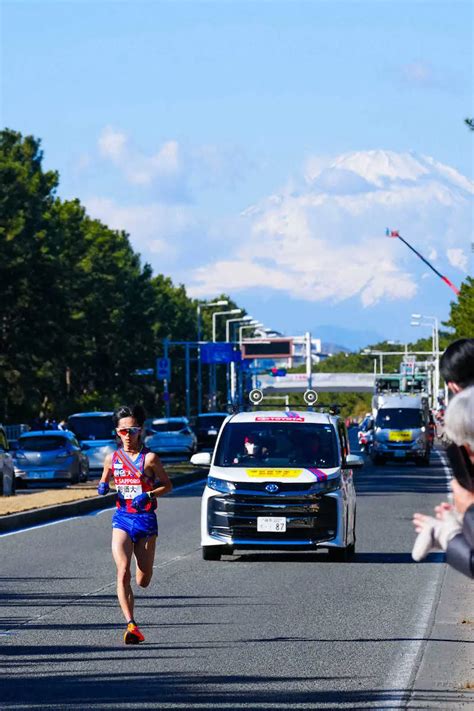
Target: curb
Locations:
point(26, 519)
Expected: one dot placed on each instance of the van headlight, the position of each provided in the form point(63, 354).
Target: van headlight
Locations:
point(225, 487)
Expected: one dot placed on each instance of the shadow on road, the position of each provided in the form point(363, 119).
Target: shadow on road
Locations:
point(184, 691)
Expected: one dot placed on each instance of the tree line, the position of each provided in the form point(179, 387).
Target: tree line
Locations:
point(80, 312)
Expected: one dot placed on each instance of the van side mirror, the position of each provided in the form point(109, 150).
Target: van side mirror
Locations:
point(201, 459)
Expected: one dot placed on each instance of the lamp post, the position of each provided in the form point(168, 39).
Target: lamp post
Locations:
point(250, 324)
point(212, 379)
point(422, 320)
point(200, 306)
point(231, 312)
point(230, 369)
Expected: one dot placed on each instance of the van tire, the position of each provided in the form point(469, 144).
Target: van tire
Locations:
point(212, 552)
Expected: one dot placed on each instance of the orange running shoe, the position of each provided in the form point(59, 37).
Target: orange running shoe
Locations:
point(133, 635)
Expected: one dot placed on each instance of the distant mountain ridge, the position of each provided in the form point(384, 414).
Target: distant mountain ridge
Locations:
point(337, 339)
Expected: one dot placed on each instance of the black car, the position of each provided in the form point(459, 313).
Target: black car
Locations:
point(206, 427)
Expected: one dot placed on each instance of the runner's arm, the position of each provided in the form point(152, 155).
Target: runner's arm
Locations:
point(107, 471)
point(153, 462)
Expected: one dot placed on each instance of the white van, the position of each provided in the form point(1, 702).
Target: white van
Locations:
point(279, 480)
point(402, 430)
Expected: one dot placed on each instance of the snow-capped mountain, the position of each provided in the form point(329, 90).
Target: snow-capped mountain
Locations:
point(322, 238)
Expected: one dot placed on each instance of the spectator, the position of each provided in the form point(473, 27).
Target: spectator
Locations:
point(457, 364)
point(453, 528)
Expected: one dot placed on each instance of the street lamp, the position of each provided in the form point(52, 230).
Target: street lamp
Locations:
point(201, 305)
point(422, 320)
point(250, 324)
point(221, 313)
point(234, 320)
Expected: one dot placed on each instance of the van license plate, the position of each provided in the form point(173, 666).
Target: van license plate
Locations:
point(271, 524)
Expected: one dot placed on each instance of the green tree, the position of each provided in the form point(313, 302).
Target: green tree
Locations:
point(461, 317)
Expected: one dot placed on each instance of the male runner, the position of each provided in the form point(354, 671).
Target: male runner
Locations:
point(139, 479)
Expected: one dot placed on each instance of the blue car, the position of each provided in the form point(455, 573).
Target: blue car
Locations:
point(50, 455)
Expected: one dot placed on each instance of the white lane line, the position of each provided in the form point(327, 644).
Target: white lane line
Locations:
point(404, 671)
point(91, 513)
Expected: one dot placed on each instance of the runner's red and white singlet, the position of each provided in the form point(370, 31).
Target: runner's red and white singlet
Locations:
point(130, 480)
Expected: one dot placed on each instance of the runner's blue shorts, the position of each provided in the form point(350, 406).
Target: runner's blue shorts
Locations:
point(136, 525)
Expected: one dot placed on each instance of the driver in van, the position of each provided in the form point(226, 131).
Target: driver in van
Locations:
point(252, 450)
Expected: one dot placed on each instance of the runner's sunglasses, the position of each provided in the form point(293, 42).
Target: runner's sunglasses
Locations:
point(128, 430)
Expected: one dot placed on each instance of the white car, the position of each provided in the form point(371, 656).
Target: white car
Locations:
point(171, 435)
point(279, 480)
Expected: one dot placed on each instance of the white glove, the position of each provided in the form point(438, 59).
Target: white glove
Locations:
point(435, 535)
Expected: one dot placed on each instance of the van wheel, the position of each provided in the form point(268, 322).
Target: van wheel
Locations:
point(211, 552)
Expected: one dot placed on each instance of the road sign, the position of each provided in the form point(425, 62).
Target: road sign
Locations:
point(219, 353)
point(163, 368)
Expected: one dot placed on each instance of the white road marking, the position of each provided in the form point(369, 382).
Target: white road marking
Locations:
point(404, 671)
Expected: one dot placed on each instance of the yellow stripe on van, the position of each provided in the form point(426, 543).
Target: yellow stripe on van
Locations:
point(400, 436)
point(282, 473)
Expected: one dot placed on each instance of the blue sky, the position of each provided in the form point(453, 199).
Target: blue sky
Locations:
point(179, 120)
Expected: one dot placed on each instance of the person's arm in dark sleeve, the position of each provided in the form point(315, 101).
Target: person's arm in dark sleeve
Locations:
point(460, 551)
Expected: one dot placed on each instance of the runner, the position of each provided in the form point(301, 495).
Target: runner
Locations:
point(139, 478)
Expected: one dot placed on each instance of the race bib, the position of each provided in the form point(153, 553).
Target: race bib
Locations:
point(128, 486)
point(129, 491)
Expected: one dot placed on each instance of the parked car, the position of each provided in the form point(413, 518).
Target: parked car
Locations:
point(7, 470)
point(206, 427)
point(279, 480)
point(50, 455)
point(172, 435)
point(96, 434)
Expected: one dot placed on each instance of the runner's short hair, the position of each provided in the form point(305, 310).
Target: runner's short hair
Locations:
point(457, 362)
point(135, 411)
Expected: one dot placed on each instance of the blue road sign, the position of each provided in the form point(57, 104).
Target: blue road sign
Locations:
point(219, 353)
point(163, 367)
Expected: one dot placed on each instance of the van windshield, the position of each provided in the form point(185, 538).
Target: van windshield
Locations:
point(271, 444)
point(399, 419)
point(90, 428)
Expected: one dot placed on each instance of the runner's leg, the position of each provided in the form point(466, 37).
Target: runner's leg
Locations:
point(122, 549)
point(144, 550)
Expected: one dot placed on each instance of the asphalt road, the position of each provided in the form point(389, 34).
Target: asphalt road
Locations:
point(253, 631)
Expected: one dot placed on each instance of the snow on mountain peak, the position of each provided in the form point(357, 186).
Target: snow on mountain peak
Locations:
point(381, 169)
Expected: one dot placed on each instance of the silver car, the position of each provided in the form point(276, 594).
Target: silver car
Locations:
point(172, 435)
point(96, 433)
point(50, 455)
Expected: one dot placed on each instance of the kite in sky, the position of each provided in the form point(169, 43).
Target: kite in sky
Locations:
point(395, 233)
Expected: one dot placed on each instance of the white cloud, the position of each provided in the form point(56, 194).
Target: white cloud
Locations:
point(112, 144)
point(173, 170)
point(153, 227)
point(458, 258)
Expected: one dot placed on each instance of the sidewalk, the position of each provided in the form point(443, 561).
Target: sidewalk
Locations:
point(445, 676)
